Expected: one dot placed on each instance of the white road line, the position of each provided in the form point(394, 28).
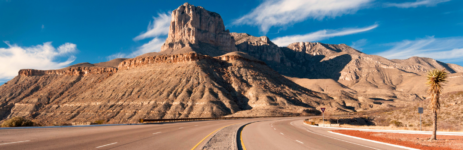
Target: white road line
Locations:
point(282, 133)
point(196, 125)
point(342, 140)
point(375, 141)
point(299, 141)
point(180, 128)
point(393, 131)
point(106, 145)
point(292, 123)
point(15, 142)
point(157, 132)
point(274, 129)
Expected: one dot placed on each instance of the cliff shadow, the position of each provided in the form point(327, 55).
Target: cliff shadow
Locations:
point(446, 66)
point(303, 65)
point(214, 67)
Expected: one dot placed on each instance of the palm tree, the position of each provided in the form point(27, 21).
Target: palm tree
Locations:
point(435, 80)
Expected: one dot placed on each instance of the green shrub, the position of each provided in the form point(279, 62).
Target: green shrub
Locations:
point(17, 122)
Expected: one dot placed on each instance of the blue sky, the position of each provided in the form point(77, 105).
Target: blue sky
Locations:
point(52, 34)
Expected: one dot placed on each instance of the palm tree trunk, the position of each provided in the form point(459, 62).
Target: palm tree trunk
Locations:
point(435, 125)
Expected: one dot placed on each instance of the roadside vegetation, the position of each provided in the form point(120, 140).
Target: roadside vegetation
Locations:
point(435, 80)
point(450, 116)
point(17, 122)
point(99, 122)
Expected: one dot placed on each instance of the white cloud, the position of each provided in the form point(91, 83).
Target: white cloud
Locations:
point(436, 48)
point(160, 26)
point(359, 44)
point(156, 30)
point(13, 58)
point(43, 26)
point(319, 35)
point(283, 12)
point(418, 3)
point(152, 46)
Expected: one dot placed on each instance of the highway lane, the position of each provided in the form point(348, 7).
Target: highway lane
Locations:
point(292, 134)
point(183, 135)
point(264, 133)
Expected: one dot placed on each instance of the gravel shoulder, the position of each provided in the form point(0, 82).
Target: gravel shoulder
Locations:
point(225, 139)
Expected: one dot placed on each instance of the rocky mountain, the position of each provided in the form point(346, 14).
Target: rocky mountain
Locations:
point(203, 70)
point(198, 73)
point(337, 70)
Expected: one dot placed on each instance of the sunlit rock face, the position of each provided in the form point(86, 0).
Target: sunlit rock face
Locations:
point(192, 26)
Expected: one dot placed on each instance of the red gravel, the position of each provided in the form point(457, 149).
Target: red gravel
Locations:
point(420, 141)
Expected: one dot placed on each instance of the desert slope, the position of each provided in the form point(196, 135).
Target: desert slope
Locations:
point(337, 69)
point(196, 75)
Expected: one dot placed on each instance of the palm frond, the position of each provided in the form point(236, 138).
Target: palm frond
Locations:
point(435, 80)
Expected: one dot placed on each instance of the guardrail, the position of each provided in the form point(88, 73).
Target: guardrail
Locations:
point(204, 119)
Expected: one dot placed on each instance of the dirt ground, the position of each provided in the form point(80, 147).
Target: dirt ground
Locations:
point(420, 141)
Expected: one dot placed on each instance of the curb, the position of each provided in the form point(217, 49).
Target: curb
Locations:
point(239, 138)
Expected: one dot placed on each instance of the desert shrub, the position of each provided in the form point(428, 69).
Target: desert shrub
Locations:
point(17, 122)
point(396, 123)
point(99, 122)
point(382, 121)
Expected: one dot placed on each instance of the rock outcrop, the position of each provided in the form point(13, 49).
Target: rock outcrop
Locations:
point(193, 27)
point(75, 71)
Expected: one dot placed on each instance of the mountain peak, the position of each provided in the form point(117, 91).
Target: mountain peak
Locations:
point(193, 27)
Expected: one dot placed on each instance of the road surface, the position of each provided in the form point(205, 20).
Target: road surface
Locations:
point(263, 133)
point(279, 134)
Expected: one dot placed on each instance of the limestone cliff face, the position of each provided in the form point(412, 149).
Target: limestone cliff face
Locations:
point(73, 71)
point(192, 26)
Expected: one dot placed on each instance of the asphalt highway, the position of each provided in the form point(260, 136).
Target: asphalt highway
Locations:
point(283, 134)
point(264, 133)
point(181, 136)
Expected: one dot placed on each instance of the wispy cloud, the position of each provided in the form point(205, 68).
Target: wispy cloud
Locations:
point(152, 46)
point(436, 48)
point(13, 58)
point(417, 3)
point(319, 35)
point(359, 44)
point(157, 30)
point(159, 27)
point(283, 12)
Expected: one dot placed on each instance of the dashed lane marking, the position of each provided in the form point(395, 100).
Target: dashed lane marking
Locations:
point(106, 145)
point(157, 133)
point(282, 133)
point(15, 142)
point(299, 142)
point(180, 128)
